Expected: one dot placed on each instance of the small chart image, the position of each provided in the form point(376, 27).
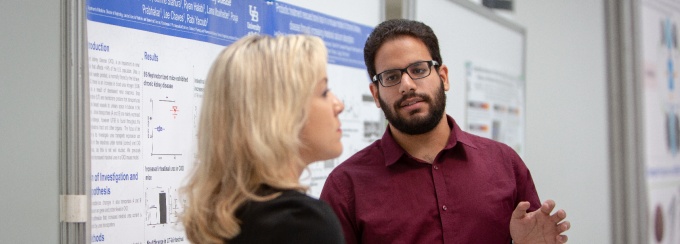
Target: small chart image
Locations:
point(669, 54)
point(165, 128)
point(162, 206)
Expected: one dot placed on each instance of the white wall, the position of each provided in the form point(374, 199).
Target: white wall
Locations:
point(566, 104)
point(29, 121)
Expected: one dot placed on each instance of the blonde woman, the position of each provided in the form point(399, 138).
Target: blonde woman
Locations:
point(267, 113)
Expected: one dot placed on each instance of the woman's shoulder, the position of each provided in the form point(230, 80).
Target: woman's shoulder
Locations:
point(292, 217)
point(289, 206)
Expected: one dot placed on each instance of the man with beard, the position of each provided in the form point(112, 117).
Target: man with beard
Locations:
point(426, 180)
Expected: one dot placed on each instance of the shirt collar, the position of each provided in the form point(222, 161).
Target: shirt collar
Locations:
point(393, 151)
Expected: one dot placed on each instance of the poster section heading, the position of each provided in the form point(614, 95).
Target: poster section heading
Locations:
point(224, 21)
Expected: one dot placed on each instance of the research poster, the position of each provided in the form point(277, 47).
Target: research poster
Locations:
point(661, 124)
point(495, 104)
point(148, 61)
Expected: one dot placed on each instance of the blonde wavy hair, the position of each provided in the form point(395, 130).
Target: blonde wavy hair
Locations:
point(254, 108)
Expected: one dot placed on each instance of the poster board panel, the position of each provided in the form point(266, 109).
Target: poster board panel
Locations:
point(147, 66)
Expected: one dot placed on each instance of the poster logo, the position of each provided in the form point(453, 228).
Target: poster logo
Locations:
point(254, 15)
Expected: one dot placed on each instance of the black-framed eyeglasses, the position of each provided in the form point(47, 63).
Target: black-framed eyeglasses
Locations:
point(417, 70)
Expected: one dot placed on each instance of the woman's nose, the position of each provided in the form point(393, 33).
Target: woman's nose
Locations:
point(339, 105)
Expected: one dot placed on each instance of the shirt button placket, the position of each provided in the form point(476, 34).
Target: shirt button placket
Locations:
point(436, 167)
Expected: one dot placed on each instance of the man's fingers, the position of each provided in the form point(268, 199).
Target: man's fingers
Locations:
point(558, 216)
point(561, 239)
point(548, 206)
point(520, 210)
point(564, 226)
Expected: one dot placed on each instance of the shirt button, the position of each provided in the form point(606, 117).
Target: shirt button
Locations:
point(444, 207)
point(436, 167)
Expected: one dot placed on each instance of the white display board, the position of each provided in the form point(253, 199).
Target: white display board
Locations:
point(485, 55)
point(659, 22)
point(147, 64)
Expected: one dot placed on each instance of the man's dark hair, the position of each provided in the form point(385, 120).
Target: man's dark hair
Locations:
point(394, 28)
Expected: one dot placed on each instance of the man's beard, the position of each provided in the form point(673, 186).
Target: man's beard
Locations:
point(420, 125)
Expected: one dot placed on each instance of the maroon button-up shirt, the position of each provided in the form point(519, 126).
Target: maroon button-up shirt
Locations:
point(467, 195)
